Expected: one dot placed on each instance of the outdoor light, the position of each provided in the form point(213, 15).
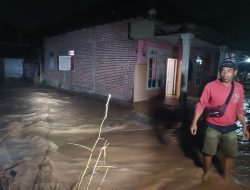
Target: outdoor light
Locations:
point(198, 60)
point(71, 52)
point(248, 60)
point(152, 13)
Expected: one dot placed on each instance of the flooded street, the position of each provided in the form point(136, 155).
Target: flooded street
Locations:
point(47, 135)
point(242, 169)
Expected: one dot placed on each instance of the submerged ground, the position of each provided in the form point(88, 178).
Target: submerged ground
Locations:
point(41, 130)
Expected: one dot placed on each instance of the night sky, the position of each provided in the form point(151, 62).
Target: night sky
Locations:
point(27, 21)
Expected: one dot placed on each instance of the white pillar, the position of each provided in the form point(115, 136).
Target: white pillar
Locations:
point(237, 61)
point(237, 57)
point(186, 44)
point(223, 50)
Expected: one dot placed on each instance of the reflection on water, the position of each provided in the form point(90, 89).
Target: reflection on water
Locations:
point(242, 166)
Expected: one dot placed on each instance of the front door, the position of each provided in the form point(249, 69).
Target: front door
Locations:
point(171, 70)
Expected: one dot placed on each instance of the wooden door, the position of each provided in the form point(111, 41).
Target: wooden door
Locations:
point(171, 70)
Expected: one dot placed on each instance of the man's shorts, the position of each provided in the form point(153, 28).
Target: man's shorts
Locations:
point(227, 142)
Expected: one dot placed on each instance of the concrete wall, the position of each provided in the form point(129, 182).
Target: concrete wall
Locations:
point(104, 60)
point(141, 93)
point(29, 70)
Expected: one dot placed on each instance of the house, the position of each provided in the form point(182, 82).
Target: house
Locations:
point(11, 68)
point(19, 62)
point(134, 60)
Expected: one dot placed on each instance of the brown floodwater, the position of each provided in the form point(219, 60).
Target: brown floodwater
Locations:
point(47, 138)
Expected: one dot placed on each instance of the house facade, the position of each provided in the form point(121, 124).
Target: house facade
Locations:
point(131, 60)
point(102, 60)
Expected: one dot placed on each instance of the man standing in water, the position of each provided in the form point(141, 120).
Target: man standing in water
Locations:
point(221, 129)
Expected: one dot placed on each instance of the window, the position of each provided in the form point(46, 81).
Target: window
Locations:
point(66, 61)
point(198, 71)
point(156, 68)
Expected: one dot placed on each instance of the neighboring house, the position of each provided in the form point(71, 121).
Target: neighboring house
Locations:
point(134, 60)
point(17, 68)
point(98, 60)
point(11, 68)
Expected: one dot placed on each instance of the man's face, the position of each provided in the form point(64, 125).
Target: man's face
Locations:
point(227, 74)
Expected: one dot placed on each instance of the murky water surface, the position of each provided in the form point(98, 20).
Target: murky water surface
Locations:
point(47, 135)
point(242, 169)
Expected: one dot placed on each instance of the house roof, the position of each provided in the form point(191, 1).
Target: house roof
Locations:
point(27, 21)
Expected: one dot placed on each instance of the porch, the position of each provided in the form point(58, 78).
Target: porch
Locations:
point(174, 65)
point(164, 108)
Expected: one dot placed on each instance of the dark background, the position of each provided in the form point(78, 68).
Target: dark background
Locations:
point(26, 22)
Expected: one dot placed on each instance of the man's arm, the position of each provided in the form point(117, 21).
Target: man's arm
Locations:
point(242, 120)
point(193, 127)
point(240, 113)
point(200, 106)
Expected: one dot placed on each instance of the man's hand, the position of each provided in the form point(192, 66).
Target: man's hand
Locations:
point(193, 128)
point(242, 120)
point(245, 134)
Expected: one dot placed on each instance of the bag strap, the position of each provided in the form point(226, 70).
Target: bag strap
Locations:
point(230, 94)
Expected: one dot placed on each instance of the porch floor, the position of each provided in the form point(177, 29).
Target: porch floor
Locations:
point(165, 108)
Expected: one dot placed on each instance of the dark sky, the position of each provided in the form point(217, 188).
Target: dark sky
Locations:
point(25, 21)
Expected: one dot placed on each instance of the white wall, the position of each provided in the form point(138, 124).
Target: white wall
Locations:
point(13, 68)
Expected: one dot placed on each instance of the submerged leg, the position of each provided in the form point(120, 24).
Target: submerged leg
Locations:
point(207, 161)
point(229, 163)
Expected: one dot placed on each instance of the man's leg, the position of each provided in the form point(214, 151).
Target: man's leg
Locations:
point(229, 163)
point(207, 161)
point(230, 147)
point(209, 149)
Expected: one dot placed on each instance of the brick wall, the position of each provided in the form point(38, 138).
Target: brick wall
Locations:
point(104, 60)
